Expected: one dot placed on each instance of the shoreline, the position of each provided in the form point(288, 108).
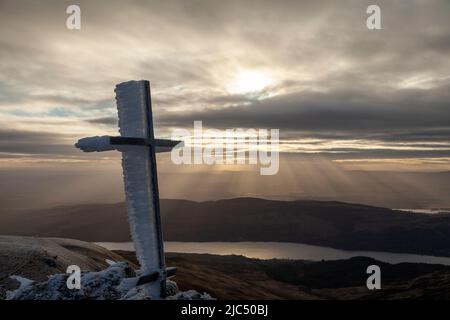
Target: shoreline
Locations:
point(282, 250)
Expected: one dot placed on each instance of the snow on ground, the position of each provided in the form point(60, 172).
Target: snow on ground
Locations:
point(117, 282)
point(39, 266)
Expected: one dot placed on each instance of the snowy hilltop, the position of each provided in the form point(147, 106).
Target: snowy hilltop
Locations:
point(35, 269)
point(117, 282)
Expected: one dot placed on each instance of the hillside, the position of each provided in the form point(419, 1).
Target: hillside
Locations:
point(237, 277)
point(334, 224)
point(232, 277)
point(36, 258)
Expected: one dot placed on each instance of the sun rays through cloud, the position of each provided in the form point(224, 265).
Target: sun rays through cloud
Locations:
point(345, 100)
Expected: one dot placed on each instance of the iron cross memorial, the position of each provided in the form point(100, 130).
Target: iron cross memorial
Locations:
point(139, 146)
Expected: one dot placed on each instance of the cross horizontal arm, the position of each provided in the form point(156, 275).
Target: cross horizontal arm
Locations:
point(143, 142)
point(107, 143)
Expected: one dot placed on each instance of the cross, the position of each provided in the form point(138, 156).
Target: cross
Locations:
point(139, 147)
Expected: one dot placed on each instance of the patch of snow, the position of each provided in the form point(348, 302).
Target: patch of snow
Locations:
point(110, 262)
point(426, 211)
point(190, 295)
point(117, 282)
point(24, 283)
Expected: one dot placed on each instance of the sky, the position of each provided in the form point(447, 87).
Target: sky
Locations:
point(346, 99)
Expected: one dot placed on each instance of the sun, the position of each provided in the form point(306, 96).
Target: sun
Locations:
point(249, 82)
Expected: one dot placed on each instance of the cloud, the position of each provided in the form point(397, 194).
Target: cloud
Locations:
point(332, 78)
point(104, 120)
point(409, 114)
point(31, 142)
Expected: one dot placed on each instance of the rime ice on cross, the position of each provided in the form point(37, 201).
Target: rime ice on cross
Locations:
point(138, 146)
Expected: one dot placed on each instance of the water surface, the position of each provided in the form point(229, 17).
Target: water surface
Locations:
point(281, 250)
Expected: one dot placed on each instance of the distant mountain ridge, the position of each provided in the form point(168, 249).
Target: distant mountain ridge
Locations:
point(334, 224)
